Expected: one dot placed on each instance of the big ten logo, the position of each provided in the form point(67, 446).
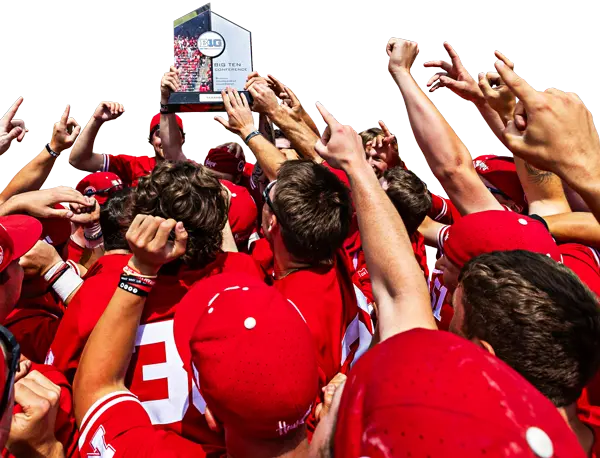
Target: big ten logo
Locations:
point(211, 44)
point(158, 377)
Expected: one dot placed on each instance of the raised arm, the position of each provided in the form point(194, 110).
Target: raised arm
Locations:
point(106, 356)
point(287, 116)
point(82, 155)
point(171, 137)
point(401, 295)
point(555, 131)
point(34, 174)
point(576, 227)
point(241, 122)
point(445, 153)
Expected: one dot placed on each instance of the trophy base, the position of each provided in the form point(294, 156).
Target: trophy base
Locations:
point(184, 102)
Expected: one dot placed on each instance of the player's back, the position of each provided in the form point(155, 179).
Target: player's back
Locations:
point(156, 374)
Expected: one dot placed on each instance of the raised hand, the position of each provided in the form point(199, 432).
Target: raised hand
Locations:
point(497, 94)
point(148, 238)
point(40, 204)
point(86, 215)
point(65, 132)
point(339, 145)
point(265, 100)
point(454, 76)
point(402, 54)
point(32, 430)
point(107, 111)
point(556, 131)
point(10, 128)
point(240, 120)
point(328, 394)
point(254, 78)
point(169, 83)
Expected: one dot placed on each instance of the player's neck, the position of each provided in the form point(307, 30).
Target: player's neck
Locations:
point(295, 445)
point(283, 262)
point(583, 432)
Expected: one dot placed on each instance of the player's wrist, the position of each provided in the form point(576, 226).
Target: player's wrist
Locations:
point(246, 130)
point(142, 267)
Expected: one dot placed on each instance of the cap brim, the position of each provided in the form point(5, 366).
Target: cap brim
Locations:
point(24, 232)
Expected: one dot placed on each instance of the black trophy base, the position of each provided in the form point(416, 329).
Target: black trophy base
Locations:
point(183, 102)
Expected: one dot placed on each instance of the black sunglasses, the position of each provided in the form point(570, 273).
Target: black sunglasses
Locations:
point(267, 198)
point(90, 193)
point(13, 355)
point(498, 192)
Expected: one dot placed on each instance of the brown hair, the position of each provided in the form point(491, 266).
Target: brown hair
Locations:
point(537, 316)
point(186, 192)
point(313, 208)
point(409, 195)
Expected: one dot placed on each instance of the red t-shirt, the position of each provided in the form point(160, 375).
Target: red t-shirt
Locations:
point(584, 261)
point(443, 210)
point(65, 428)
point(74, 251)
point(118, 426)
point(156, 374)
point(34, 323)
point(129, 168)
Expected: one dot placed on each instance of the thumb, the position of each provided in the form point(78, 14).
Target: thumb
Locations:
point(58, 213)
point(14, 133)
point(181, 237)
point(514, 138)
point(222, 121)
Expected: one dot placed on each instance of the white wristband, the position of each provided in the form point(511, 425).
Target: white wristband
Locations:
point(66, 284)
point(93, 236)
point(53, 270)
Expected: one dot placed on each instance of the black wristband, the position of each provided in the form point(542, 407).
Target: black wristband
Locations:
point(52, 153)
point(251, 135)
point(164, 109)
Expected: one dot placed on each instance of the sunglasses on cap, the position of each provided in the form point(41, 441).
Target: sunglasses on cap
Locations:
point(267, 198)
point(90, 193)
point(497, 192)
point(13, 354)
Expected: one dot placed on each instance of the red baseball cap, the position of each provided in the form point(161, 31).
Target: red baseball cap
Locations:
point(496, 230)
point(18, 235)
point(156, 121)
point(100, 185)
point(56, 231)
point(222, 160)
point(432, 393)
point(242, 212)
point(251, 352)
point(501, 172)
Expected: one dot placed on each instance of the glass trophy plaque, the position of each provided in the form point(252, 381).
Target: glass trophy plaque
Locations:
point(212, 53)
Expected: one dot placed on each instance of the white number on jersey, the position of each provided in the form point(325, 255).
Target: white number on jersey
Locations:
point(101, 449)
point(173, 408)
point(438, 294)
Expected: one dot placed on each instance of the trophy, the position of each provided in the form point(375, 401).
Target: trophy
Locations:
point(211, 53)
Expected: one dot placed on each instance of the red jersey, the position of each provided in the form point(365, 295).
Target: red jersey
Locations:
point(584, 262)
point(242, 215)
point(129, 168)
point(65, 428)
point(118, 426)
point(443, 210)
point(34, 323)
point(156, 374)
point(74, 251)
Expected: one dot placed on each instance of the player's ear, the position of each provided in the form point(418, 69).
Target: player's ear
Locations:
point(273, 223)
point(486, 346)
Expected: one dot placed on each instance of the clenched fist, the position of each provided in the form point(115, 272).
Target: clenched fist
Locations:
point(107, 111)
point(402, 54)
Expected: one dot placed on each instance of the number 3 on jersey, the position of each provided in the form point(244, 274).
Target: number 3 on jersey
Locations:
point(160, 380)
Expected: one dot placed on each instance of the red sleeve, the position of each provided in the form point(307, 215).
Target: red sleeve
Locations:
point(119, 165)
point(34, 329)
point(443, 210)
point(118, 426)
point(84, 311)
point(584, 262)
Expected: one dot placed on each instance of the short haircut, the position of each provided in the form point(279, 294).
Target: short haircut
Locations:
point(186, 192)
point(115, 216)
point(409, 195)
point(370, 134)
point(313, 208)
point(538, 317)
